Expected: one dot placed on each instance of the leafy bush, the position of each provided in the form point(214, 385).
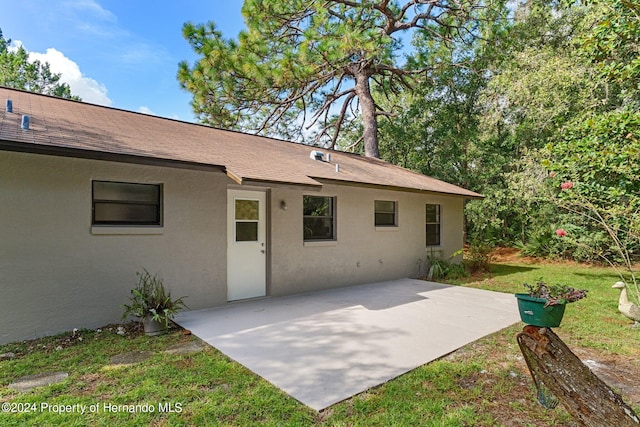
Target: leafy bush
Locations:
point(543, 243)
point(456, 271)
point(149, 297)
point(438, 268)
point(577, 241)
point(478, 258)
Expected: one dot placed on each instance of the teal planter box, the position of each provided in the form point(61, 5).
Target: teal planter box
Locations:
point(533, 312)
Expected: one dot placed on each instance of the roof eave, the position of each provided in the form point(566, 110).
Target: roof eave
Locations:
point(271, 183)
point(54, 150)
point(467, 194)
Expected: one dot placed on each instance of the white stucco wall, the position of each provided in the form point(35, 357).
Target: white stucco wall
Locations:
point(362, 253)
point(56, 274)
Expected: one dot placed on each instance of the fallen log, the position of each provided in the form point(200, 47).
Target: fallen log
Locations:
point(555, 367)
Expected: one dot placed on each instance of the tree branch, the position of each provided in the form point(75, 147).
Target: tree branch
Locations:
point(343, 111)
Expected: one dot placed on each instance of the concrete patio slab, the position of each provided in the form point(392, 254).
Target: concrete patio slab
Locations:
point(327, 346)
point(30, 382)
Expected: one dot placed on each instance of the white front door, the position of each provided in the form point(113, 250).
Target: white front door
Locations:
point(246, 244)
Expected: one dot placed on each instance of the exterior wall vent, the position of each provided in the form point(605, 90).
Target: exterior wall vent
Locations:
point(25, 122)
point(317, 155)
point(9, 106)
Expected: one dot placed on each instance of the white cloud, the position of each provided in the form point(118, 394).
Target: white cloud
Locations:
point(85, 87)
point(90, 7)
point(146, 110)
point(87, 9)
point(14, 46)
point(85, 16)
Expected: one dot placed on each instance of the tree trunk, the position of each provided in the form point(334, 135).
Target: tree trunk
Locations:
point(588, 399)
point(368, 111)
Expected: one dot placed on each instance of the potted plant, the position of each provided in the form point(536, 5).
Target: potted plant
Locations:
point(152, 303)
point(543, 305)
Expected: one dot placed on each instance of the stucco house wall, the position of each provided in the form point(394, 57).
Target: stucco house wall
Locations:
point(361, 252)
point(57, 273)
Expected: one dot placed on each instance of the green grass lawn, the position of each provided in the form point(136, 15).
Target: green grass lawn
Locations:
point(592, 322)
point(484, 383)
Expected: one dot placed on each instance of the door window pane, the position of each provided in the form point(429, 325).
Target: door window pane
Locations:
point(247, 209)
point(247, 214)
point(246, 231)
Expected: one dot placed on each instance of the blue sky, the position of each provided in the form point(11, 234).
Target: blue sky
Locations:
point(121, 53)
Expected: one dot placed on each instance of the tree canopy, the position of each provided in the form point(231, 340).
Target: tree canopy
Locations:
point(614, 42)
point(510, 99)
point(309, 66)
point(16, 71)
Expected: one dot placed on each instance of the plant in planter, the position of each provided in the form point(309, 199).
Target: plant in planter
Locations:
point(543, 305)
point(152, 303)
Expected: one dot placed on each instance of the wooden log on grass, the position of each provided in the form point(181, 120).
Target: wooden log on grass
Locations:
point(555, 367)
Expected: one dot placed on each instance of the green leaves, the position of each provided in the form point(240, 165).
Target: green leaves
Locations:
point(304, 67)
point(614, 42)
point(601, 154)
point(149, 297)
point(16, 71)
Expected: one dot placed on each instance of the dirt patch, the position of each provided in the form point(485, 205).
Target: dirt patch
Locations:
point(502, 255)
point(69, 339)
point(621, 373)
point(131, 357)
point(505, 255)
point(511, 255)
point(87, 383)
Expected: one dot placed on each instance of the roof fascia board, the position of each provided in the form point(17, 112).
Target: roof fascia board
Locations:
point(280, 184)
point(394, 188)
point(49, 150)
point(235, 178)
point(248, 182)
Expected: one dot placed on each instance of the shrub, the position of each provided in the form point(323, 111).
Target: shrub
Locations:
point(149, 297)
point(438, 268)
point(478, 258)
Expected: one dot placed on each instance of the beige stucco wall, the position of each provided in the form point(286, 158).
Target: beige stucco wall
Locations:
point(56, 273)
point(362, 253)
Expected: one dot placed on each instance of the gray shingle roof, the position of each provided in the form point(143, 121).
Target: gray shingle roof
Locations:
point(60, 126)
